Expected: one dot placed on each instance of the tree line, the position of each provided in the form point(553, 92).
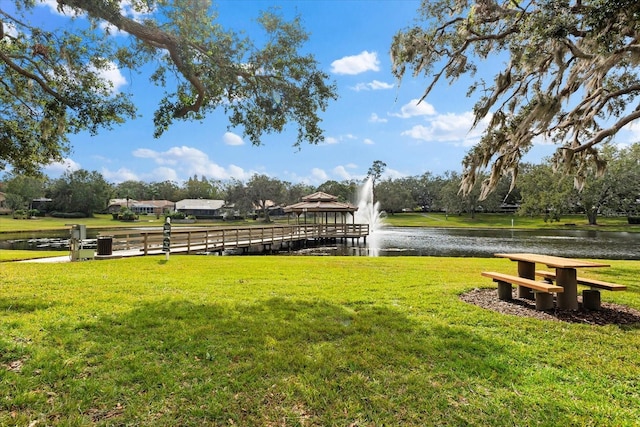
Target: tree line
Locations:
point(539, 191)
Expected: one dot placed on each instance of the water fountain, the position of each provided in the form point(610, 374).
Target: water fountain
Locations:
point(368, 212)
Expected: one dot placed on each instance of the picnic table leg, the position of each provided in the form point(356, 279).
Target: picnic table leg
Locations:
point(567, 278)
point(528, 271)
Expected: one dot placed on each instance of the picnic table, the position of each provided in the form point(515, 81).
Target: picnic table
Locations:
point(565, 274)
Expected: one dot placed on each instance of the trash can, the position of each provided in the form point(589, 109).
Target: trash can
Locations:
point(105, 245)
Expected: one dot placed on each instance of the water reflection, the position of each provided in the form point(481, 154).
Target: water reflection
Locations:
point(418, 241)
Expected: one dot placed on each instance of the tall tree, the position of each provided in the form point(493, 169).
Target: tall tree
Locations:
point(394, 195)
point(22, 189)
point(427, 190)
point(571, 74)
point(345, 191)
point(295, 192)
point(136, 190)
point(80, 191)
point(545, 192)
point(628, 188)
point(53, 79)
point(236, 197)
point(201, 188)
point(375, 173)
point(264, 192)
point(453, 201)
point(166, 190)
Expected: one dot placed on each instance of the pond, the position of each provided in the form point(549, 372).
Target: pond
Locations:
point(420, 241)
point(464, 242)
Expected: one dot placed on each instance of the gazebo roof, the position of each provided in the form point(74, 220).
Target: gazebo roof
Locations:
point(320, 202)
point(320, 196)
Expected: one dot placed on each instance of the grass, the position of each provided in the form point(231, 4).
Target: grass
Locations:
point(101, 221)
point(300, 341)
point(8, 224)
point(505, 221)
point(19, 255)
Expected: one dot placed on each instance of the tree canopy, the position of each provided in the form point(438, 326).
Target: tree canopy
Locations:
point(571, 75)
point(53, 79)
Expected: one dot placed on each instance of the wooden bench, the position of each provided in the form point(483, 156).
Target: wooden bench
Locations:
point(593, 283)
point(543, 291)
point(590, 297)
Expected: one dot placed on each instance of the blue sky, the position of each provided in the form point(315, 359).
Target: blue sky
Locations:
point(373, 119)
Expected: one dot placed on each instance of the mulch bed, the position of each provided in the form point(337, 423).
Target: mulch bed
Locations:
point(609, 314)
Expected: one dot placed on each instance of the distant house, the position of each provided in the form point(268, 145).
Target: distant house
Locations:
point(201, 208)
point(276, 210)
point(116, 204)
point(157, 207)
point(41, 203)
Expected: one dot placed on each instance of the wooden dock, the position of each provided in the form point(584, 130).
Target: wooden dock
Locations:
point(220, 239)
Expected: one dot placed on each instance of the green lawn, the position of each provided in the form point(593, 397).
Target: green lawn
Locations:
point(429, 219)
point(300, 341)
point(18, 255)
point(101, 221)
point(8, 224)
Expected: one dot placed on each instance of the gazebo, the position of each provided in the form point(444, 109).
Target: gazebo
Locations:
point(322, 205)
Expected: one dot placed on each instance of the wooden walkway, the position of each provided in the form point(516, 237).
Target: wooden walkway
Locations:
point(219, 239)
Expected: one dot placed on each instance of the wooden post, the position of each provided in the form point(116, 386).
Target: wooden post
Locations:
point(567, 278)
point(528, 271)
point(505, 292)
point(544, 301)
point(591, 299)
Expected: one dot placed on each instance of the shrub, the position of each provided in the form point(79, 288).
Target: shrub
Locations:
point(127, 215)
point(176, 215)
point(19, 214)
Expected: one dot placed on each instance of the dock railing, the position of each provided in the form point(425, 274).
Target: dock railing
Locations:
point(217, 239)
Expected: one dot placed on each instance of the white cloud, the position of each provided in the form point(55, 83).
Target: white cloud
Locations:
point(189, 161)
point(342, 172)
point(368, 141)
point(374, 118)
point(53, 7)
point(126, 9)
point(10, 30)
point(374, 85)
point(144, 153)
point(112, 74)
point(340, 138)
point(356, 64)
point(630, 134)
point(162, 174)
point(58, 168)
point(319, 175)
point(449, 128)
point(231, 138)
point(415, 108)
point(393, 174)
point(239, 173)
point(121, 175)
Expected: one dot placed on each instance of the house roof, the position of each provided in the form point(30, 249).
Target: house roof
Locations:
point(154, 203)
point(200, 204)
point(121, 202)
